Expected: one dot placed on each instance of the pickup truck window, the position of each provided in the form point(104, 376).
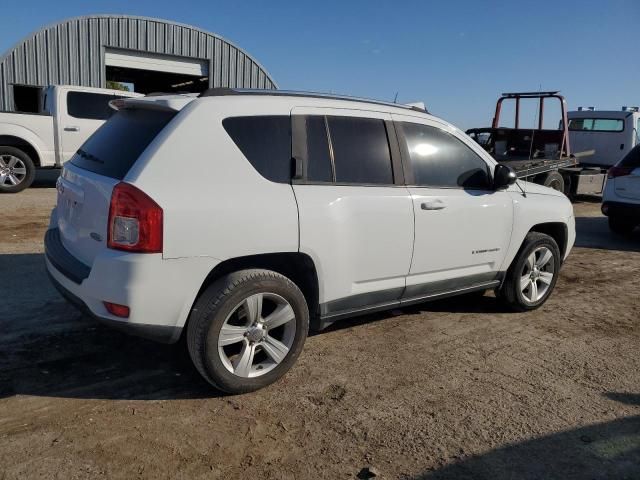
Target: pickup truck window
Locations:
point(439, 159)
point(596, 124)
point(92, 106)
point(117, 144)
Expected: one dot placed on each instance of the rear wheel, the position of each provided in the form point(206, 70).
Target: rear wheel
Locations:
point(553, 180)
point(17, 170)
point(247, 330)
point(533, 273)
point(620, 225)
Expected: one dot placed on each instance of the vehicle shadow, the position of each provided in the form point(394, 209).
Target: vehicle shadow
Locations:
point(47, 348)
point(593, 232)
point(601, 451)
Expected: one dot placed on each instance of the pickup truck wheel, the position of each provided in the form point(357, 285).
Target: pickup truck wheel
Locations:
point(553, 180)
point(17, 170)
point(533, 273)
point(247, 329)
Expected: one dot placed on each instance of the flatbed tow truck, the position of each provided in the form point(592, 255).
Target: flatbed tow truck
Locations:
point(540, 155)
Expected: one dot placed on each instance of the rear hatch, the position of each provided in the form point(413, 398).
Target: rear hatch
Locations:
point(627, 184)
point(87, 180)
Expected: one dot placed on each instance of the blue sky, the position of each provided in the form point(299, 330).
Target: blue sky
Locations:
point(456, 56)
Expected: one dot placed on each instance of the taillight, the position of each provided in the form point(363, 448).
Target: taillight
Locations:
point(619, 171)
point(135, 221)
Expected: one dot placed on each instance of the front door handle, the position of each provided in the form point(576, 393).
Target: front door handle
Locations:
point(433, 205)
point(71, 129)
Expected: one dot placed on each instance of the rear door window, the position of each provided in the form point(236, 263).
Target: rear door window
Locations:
point(360, 150)
point(266, 142)
point(117, 144)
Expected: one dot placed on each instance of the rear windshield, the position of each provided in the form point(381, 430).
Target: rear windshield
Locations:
point(117, 144)
point(596, 124)
point(631, 159)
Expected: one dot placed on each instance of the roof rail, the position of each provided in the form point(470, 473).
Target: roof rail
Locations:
point(225, 91)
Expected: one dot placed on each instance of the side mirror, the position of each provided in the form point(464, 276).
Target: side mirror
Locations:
point(503, 176)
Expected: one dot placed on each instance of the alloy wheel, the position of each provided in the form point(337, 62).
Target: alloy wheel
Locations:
point(257, 336)
point(12, 170)
point(537, 275)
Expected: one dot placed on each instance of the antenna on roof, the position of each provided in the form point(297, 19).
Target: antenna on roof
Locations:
point(395, 99)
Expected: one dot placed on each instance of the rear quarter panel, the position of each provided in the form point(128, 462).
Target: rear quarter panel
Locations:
point(215, 203)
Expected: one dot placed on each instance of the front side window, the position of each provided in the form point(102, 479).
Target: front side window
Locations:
point(596, 124)
point(91, 106)
point(360, 150)
point(439, 159)
point(266, 142)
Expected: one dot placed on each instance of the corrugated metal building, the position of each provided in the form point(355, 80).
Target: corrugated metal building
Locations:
point(144, 54)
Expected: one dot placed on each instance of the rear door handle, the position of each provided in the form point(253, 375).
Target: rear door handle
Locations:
point(433, 205)
point(71, 129)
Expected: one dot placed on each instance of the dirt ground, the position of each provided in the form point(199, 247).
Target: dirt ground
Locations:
point(455, 389)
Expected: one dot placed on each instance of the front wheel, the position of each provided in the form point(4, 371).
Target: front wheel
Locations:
point(247, 329)
point(533, 273)
point(17, 170)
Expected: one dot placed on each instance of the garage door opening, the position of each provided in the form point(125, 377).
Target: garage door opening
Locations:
point(148, 73)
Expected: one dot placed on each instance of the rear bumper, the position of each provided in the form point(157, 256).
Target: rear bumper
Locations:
point(621, 209)
point(159, 292)
point(158, 333)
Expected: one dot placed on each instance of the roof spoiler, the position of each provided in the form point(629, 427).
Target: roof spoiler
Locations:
point(168, 103)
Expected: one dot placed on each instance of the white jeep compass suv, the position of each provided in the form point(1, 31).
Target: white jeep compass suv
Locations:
point(241, 219)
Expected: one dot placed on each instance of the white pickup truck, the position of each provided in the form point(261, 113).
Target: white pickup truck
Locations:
point(28, 141)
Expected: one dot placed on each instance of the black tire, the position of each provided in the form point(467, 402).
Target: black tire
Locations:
point(6, 155)
point(511, 293)
point(220, 300)
point(553, 180)
point(621, 226)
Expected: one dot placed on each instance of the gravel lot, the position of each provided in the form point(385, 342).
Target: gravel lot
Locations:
point(450, 389)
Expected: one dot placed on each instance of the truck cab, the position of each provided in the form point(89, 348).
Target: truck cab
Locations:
point(610, 133)
point(47, 138)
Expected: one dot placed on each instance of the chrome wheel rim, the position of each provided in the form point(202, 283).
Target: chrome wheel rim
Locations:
point(12, 170)
point(537, 275)
point(257, 335)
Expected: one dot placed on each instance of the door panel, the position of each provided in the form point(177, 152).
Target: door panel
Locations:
point(462, 226)
point(466, 236)
point(360, 239)
point(355, 223)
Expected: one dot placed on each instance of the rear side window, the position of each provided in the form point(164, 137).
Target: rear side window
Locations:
point(316, 147)
point(91, 106)
point(266, 142)
point(439, 159)
point(117, 144)
point(631, 159)
point(360, 150)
